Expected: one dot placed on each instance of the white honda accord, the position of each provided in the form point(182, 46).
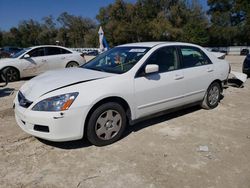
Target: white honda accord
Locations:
point(124, 84)
point(38, 59)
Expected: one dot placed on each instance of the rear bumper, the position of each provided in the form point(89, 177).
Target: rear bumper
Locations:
point(53, 126)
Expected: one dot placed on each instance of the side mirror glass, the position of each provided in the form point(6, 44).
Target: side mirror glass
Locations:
point(26, 56)
point(151, 68)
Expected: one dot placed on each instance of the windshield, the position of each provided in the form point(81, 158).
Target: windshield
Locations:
point(20, 53)
point(117, 60)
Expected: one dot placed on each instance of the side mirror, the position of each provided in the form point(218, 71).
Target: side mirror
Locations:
point(26, 56)
point(151, 68)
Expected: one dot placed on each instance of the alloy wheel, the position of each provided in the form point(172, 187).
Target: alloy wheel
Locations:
point(213, 95)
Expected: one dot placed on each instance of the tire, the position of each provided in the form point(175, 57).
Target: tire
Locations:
point(106, 124)
point(12, 74)
point(212, 96)
point(72, 64)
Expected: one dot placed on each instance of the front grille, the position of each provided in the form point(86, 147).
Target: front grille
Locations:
point(23, 101)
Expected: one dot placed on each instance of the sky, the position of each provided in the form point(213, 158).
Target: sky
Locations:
point(14, 11)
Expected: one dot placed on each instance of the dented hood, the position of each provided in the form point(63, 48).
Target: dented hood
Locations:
point(53, 80)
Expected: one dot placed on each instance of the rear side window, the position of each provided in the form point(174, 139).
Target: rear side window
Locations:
point(63, 51)
point(166, 58)
point(53, 51)
point(37, 52)
point(192, 57)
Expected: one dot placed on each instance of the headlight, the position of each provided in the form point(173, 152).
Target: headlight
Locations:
point(56, 103)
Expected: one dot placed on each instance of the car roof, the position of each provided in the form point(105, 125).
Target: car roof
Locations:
point(153, 44)
point(48, 46)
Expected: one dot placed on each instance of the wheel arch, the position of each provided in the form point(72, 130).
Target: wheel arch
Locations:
point(219, 82)
point(19, 72)
point(116, 99)
point(72, 61)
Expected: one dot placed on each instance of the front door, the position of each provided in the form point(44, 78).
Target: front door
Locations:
point(36, 63)
point(162, 90)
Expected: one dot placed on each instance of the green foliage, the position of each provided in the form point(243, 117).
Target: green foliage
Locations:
point(157, 20)
point(230, 22)
point(227, 22)
point(69, 30)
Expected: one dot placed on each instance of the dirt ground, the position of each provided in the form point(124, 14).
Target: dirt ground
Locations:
point(191, 148)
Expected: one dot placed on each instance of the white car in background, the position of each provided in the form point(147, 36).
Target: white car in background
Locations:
point(38, 59)
point(120, 86)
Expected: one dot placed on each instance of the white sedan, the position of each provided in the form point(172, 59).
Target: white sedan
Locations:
point(118, 87)
point(35, 60)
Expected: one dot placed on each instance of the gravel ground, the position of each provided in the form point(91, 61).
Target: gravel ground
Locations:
point(189, 148)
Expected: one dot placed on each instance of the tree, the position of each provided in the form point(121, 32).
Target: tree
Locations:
point(230, 22)
point(1, 38)
point(75, 28)
point(152, 20)
point(48, 31)
point(29, 31)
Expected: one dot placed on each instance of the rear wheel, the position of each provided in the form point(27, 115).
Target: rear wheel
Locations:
point(72, 64)
point(11, 74)
point(106, 124)
point(212, 97)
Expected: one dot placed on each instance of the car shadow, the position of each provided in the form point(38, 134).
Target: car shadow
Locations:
point(68, 145)
point(159, 119)
point(83, 143)
point(4, 92)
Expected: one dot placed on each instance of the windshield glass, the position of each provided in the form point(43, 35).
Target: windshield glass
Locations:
point(117, 60)
point(20, 53)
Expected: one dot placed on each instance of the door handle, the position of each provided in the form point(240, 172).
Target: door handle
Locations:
point(178, 77)
point(210, 69)
point(44, 60)
point(63, 57)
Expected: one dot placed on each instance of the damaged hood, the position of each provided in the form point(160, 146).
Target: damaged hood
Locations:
point(53, 80)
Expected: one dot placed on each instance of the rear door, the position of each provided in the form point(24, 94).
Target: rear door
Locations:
point(198, 71)
point(55, 58)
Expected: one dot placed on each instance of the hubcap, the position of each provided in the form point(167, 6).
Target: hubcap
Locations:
point(11, 75)
point(72, 65)
point(108, 124)
point(213, 95)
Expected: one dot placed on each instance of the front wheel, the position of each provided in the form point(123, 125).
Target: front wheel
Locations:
point(212, 96)
point(106, 124)
point(11, 74)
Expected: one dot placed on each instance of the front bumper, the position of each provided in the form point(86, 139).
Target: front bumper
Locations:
point(54, 126)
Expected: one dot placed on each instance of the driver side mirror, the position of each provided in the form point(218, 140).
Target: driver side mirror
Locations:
point(151, 68)
point(26, 56)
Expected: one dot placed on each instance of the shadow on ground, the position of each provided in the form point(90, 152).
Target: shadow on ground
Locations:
point(4, 92)
point(134, 128)
point(160, 118)
point(76, 144)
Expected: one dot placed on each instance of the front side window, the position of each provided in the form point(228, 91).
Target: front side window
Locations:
point(117, 60)
point(36, 52)
point(192, 57)
point(166, 58)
